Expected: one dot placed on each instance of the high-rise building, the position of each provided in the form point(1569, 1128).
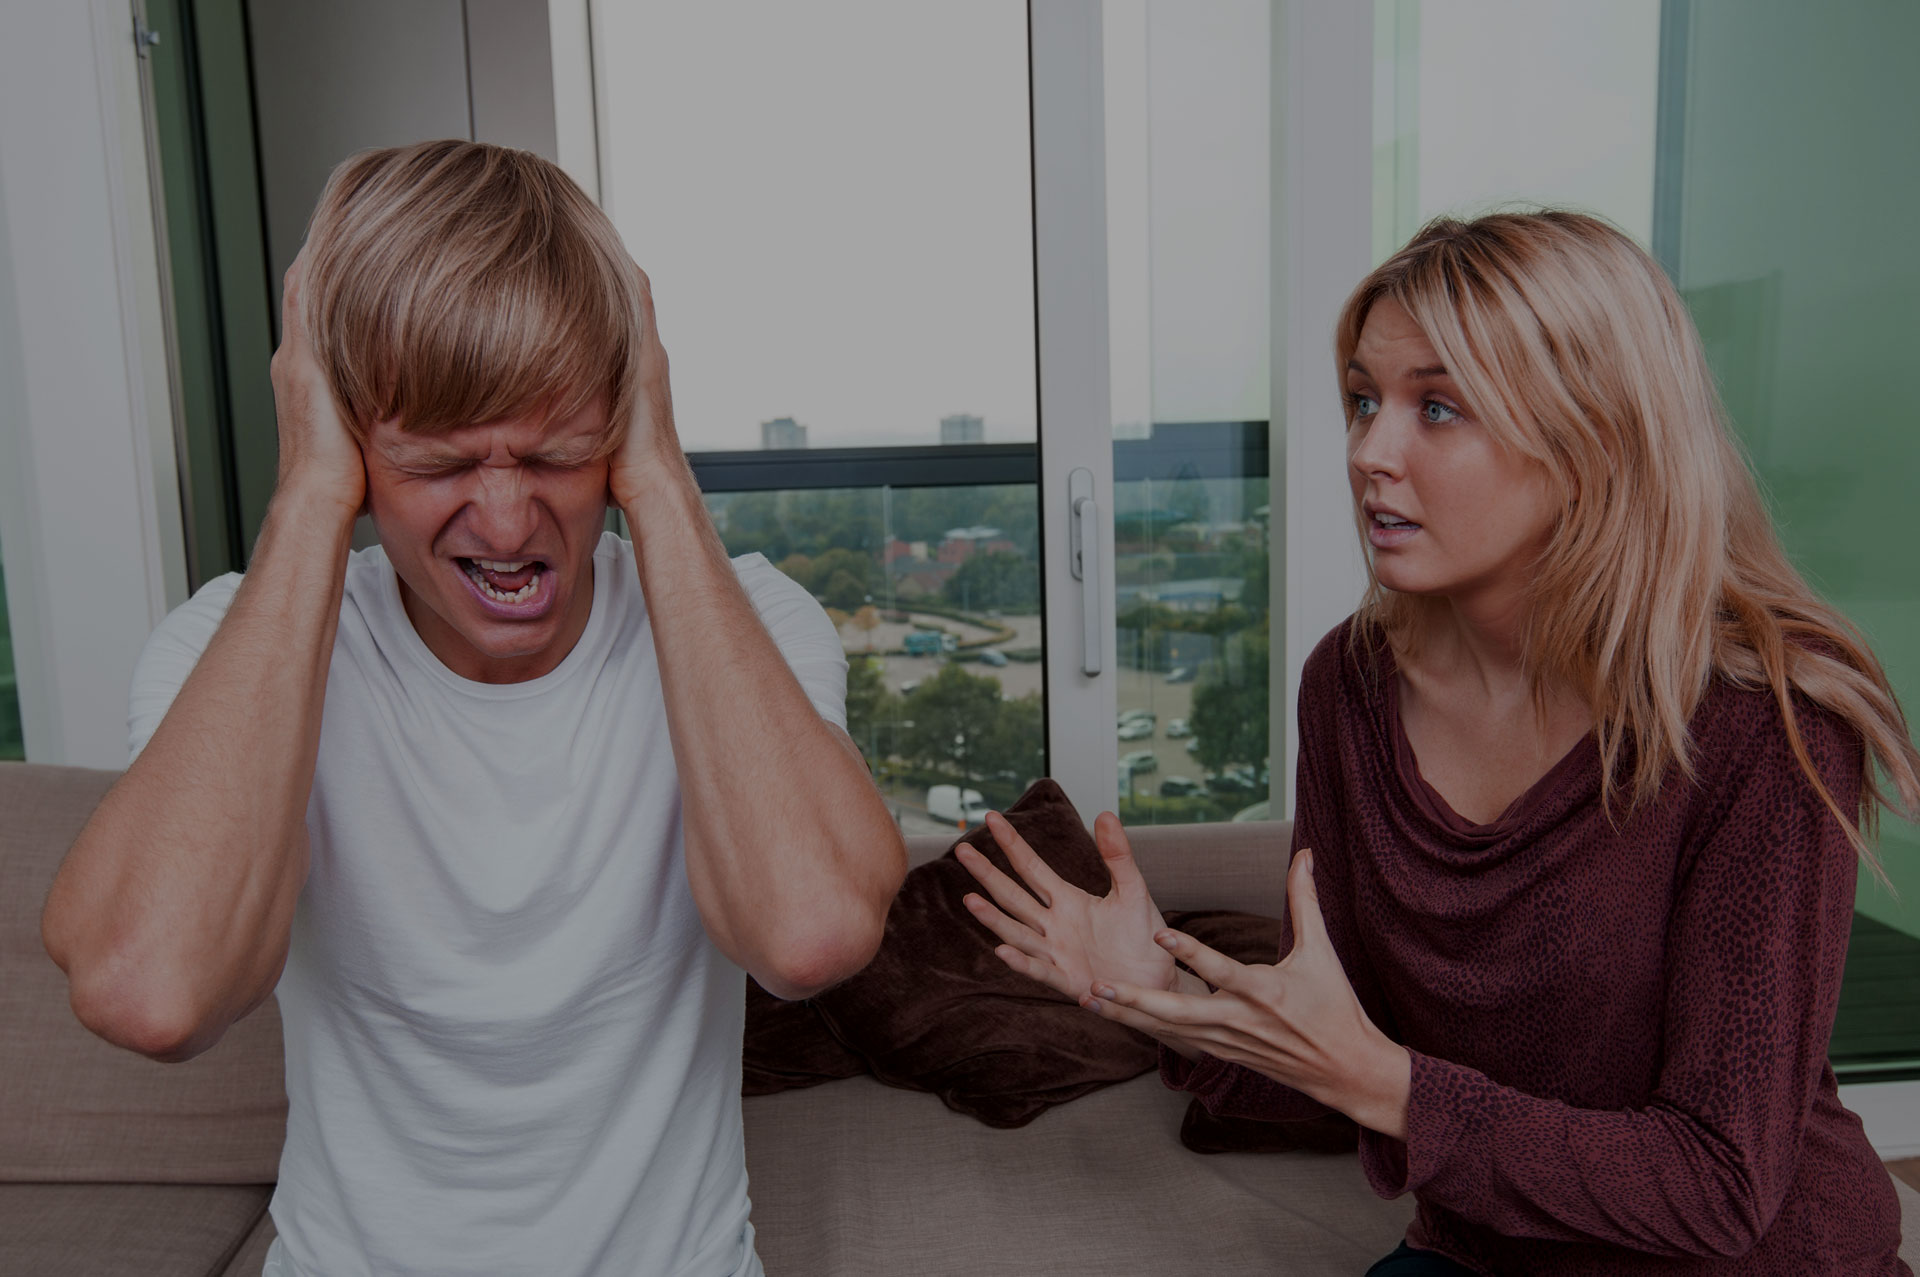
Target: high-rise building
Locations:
point(962, 428)
point(782, 432)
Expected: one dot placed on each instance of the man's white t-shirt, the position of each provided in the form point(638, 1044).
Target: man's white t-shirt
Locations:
point(510, 1046)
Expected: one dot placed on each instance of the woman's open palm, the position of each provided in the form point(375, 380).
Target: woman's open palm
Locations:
point(1058, 934)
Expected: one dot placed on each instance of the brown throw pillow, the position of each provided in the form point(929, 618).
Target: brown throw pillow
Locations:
point(788, 1046)
point(936, 1011)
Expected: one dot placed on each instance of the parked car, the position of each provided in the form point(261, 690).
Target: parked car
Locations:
point(1180, 674)
point(1140, 760)
point(1177, 727)
point(1132, 715)
point(1193, 744)
point(1178, 787)
point(1136, 729)
point(946, 802)
point(1231, 781)
point(993, 657)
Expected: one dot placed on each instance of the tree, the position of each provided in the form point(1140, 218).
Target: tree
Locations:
point(994, 579)
point(843, 592)
point(872, 710)
point(1230, 716)
point(1014, 748)
point(952, 716)
point(867, 620)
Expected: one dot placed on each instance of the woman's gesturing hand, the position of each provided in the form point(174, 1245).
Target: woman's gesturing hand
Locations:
point(1060, 935)
point(1298, 1022)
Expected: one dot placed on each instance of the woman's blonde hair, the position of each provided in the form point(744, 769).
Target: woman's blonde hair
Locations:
point(1574, 350)
point(455, 283)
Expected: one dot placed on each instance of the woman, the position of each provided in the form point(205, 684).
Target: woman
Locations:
point(1586, 781)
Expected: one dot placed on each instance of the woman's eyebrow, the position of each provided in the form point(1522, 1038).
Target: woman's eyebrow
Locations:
point(1431, 372)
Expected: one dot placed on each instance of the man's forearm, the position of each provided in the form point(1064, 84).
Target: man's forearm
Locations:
point(791, 854)
point(172, 912)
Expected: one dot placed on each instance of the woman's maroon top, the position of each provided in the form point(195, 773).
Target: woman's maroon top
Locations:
point(1619, 1034)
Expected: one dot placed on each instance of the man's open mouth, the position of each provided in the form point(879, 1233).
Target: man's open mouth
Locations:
point(505, 580)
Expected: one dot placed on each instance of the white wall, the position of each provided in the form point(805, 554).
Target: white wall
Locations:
point(89, 513)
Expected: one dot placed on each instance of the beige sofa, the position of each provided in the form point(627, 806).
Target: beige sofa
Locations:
point(111, 1164)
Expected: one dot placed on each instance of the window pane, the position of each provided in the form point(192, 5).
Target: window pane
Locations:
point(12, 743)
point(834, 203)
point(936, 594)
point(1447, 136)
point(1188, 140)
point(1809, 302)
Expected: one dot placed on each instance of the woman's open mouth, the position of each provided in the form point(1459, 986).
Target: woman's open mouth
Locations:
point(1386, 531)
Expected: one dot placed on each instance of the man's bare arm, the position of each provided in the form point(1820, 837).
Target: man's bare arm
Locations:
point(791, 854)
point(171, 915)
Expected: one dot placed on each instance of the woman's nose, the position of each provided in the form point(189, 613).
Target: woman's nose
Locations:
point(1378, 446)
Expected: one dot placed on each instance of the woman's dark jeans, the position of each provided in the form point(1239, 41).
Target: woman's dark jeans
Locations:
point(1408, 1262)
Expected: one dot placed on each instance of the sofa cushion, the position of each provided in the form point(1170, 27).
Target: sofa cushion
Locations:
point(125, 1230)
point(849, 1178)
point(252, 1255)
point(73, 1107)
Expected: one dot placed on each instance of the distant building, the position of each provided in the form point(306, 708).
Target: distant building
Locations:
point(782, 432)
point(962, 428)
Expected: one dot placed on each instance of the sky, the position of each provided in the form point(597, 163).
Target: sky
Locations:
point(833, 199)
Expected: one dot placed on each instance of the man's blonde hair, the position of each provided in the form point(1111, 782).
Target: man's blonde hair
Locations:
point(456, 283)
point(1574, 350)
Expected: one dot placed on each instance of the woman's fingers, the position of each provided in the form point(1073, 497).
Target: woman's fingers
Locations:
point(1111, 838)
point(1216, 968)
point(1006, 893)
point(1007, 929)
point(1033, 968)
point(1180, 1009)
point(1034, 871)
point(1303, 903)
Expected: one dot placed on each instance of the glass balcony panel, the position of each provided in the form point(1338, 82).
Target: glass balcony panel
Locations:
point(936, 595)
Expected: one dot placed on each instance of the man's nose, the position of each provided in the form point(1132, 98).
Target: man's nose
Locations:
point(503, 512)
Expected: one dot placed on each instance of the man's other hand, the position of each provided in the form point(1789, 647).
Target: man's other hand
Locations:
point(652, 445)
point(318, 455)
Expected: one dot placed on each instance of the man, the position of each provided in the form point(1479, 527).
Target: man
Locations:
point(500, 809)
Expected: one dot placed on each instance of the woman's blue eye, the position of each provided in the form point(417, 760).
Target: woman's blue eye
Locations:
point(1363, 405)
point(1436, 412)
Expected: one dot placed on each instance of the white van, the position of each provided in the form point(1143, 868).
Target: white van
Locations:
point(946, 802)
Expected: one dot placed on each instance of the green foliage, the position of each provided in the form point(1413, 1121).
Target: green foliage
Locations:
point(1014, 746)
point(807, 522)
point(951, 717)
point(995, 579)
point(872, 709)
point(926, 514)
point(1230, 705)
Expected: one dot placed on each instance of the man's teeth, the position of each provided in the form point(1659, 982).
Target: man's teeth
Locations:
point(520, 595)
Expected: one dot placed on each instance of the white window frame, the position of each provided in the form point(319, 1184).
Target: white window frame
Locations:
point(89, 497)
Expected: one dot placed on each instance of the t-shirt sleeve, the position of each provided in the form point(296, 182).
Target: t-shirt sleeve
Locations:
point(1756, 945)
point(801, 631)
point(170, 653)
point(1320, 815)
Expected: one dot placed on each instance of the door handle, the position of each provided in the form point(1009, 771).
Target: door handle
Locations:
point(1083, 525)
